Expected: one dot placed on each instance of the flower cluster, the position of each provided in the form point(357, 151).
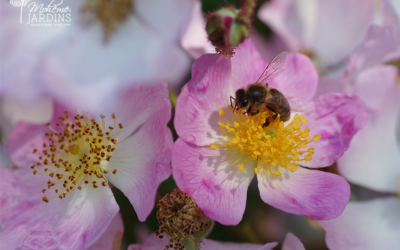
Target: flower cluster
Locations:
point(94, 127)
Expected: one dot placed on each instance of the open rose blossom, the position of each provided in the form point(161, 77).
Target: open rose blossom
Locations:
point(61, 185)
point(219, 152)
point(154, 243)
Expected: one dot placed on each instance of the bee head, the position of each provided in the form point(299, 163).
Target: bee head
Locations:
point(241, 100)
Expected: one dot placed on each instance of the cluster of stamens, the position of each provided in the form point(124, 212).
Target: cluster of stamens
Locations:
point(276, 145)
point(179, 218)
point(109, 13)
point(78, 152)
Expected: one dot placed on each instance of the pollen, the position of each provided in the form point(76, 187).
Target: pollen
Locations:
point(277, 145)
point(77, 153)
point(179, 217)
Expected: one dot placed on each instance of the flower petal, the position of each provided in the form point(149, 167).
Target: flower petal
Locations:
point(195, 41)
point(365, 225)
point(299, 79)
point(143, 161)
point(155, 243)
point(373, 158)
point(212, 178)
point(25, 137)
point(111, 238)
point(317, 194)
point(73, 222)
point(200, 99)
point(336, 118)
point(291, 242)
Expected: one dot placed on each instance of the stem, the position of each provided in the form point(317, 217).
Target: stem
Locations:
point(20, 16)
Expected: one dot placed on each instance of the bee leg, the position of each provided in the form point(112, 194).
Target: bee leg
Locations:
point(254, 113)
point(266, 123)
point(231, 101)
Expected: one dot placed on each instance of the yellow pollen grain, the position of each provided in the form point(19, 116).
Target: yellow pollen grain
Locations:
point(77, 152)
point(276, 145)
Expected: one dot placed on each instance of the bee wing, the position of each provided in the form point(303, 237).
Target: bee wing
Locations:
point(274, 68)
point(288, 102)
point(296, 104)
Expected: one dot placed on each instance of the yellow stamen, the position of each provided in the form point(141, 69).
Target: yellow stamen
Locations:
point(276, 145)
point(78, 151)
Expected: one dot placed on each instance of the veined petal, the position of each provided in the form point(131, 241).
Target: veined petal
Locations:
point(212, 178)
point(299, 79)
point(317, 194)
point(336, 118)
point(59, 222)
point(365, 225)
point(143, 161)
point(111, 238)
point(200, 99)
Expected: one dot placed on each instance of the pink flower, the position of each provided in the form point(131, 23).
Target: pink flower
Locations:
point(110, 239)
point(328, 30)
point(291, 242)
point(207, 166)
point(70, 63)
point(365, 225)
point(74, 162)
point(373, 158)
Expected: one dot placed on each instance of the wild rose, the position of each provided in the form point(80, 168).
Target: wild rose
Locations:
point(109, 46)
point(65, 167)
point(211, 166)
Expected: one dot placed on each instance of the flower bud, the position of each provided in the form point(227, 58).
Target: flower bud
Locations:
point(226, 29)
point(182, 221)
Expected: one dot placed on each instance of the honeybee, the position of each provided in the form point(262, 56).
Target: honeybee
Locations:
point(258, 96)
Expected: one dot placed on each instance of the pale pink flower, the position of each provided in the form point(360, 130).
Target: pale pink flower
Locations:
point(70, 63)
point(373, 159)
point(291, 242)
point(218, 177)
point(132, 151)
point(329, 30)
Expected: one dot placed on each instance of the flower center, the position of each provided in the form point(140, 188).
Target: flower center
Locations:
point(78, 154)
point(110, 13)
point(275, 145)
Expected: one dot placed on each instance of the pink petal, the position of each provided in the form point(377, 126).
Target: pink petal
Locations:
point(212, 178)
point(155, 243)
point(379, 44)
point(331, 29)
point(365, 225)
point(373, 158)
point(26, 136)
point(195, 40)
point(319, 195)
point(143, 161)
point(200, 99)
point(111, 238)
point(292, 243)
point(73, 222)
point(299, 79)
point(336, 118)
